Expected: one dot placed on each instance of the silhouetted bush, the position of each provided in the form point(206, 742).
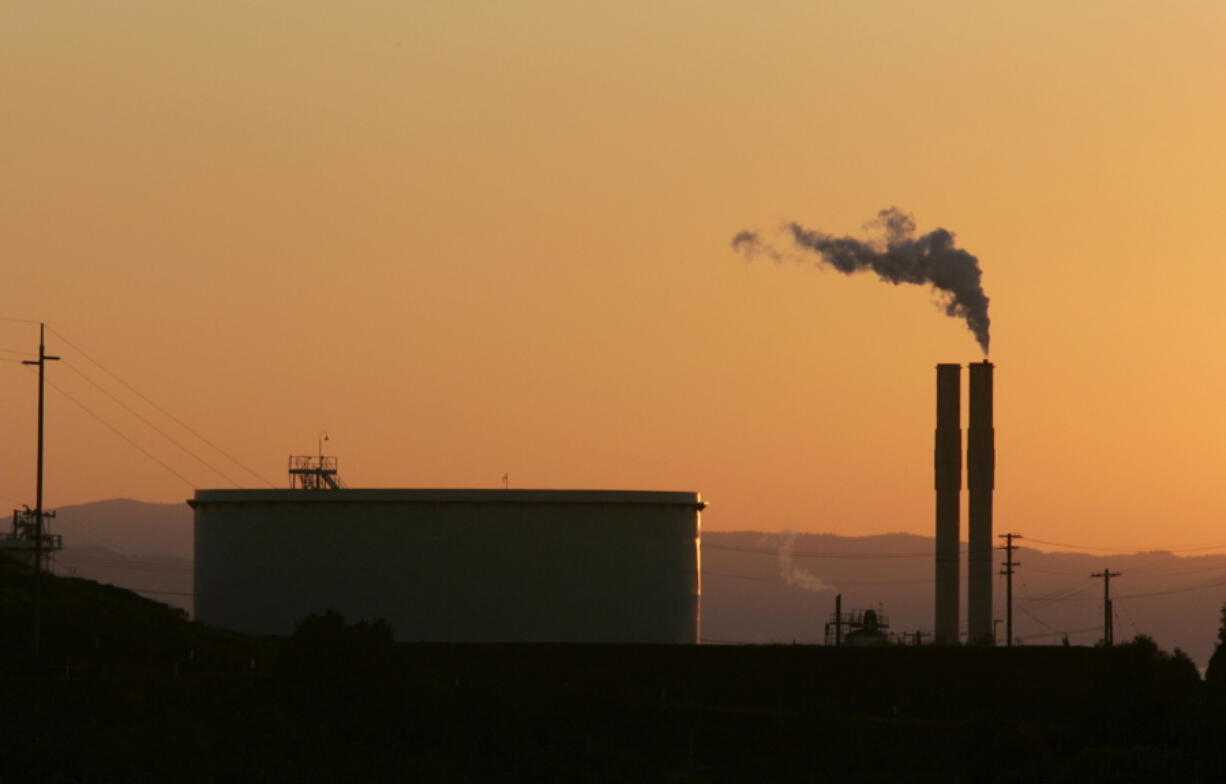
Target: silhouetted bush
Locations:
point(326, 643)
point(1215, 674)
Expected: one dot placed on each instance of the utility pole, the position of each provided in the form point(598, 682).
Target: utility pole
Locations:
point(39, 514)
point(1108, 630)
point(838, 620)
point(1009, 563)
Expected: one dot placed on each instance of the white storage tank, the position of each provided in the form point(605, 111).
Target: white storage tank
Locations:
point(454, 565)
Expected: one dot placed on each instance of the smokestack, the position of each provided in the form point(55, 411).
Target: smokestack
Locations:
point(948, 465)
point(980, 481)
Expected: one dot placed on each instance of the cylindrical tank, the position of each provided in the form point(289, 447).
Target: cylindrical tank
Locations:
point(454, 565)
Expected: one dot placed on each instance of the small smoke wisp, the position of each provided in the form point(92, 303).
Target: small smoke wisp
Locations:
point(897, 256)
point(792, 574)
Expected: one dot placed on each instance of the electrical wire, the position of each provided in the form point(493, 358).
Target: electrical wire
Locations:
point(1187, 549)
point(1133, 574)
point(1064, 632)
point(119, 433)
point(1051, 571)
point(1034, 617)
point(1067, 593)
point(126, 565)
point(163, 593)
point(164, 412)
point(834, 584)
point(705, 573)
point(818, 555)
point(1114, 603)
point(154, 427)
point(1189, 589)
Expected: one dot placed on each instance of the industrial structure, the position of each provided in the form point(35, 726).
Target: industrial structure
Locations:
point(980, 483)
point(981, 475)
point(314, 472)
point(864, 628)
point(948, 476)
point(453, 565)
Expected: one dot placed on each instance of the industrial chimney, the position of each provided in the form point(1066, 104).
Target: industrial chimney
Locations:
point(980, 481)
point(948, 465)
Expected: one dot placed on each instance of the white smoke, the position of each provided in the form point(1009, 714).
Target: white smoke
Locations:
point(792, 574)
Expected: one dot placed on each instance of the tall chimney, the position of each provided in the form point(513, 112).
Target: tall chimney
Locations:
point(948, 465)
point(980, 481)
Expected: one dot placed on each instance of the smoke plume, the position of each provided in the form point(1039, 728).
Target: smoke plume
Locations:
point(797, 575)
point(896, 256)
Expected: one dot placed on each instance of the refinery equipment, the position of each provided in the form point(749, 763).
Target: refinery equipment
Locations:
point(863, 627)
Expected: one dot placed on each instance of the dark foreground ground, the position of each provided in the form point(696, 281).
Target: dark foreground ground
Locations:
point(127, 690)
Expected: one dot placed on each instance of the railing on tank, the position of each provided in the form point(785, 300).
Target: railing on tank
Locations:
point(314, 472)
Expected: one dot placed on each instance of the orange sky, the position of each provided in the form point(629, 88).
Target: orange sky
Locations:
point(473, 238)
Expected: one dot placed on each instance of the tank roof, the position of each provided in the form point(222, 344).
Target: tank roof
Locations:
point(446, 496)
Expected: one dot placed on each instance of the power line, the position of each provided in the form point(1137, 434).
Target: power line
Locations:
point(1134, 551)
point(164, 412)
point(817, 555)
point(154, 427)
point(1146, 575)
point(705, 573)
point(1128, 612)
point(1189, 589)
point(1064, 632)
point(164, 593)
point(929, 580)
point(127, 565)
point(1052, 571)
point(117, 432)
point(1034, 618)
point(1064, 594)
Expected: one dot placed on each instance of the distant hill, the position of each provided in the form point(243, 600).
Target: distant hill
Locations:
point(128, 527)
point(767, 587)
point(144, 547)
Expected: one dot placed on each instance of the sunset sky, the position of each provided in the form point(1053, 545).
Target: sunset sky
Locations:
point(475, 238)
